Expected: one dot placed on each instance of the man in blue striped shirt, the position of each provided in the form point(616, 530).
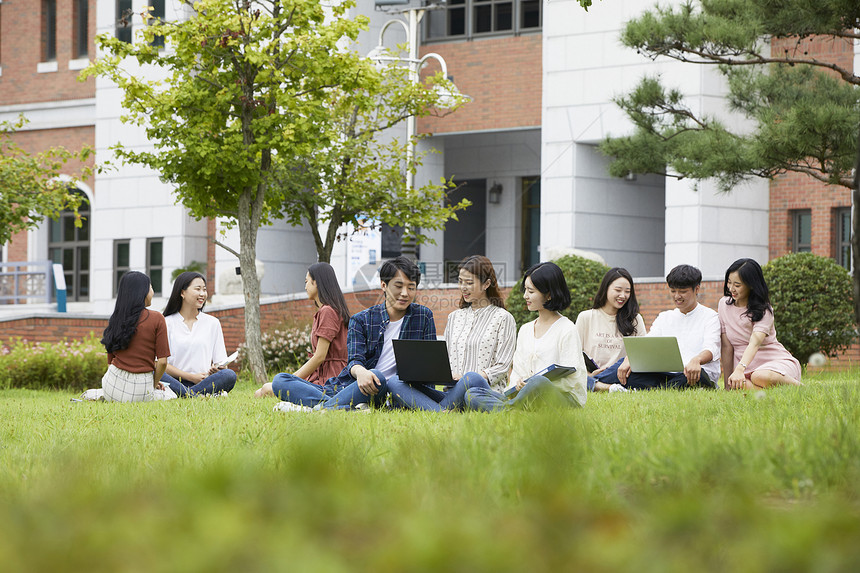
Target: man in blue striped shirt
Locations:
point(369, 349)
point(370, 353)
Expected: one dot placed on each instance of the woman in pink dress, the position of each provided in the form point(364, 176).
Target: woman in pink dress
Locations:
point(751, 356)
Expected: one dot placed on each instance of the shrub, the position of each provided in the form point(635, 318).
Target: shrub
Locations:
point(195, 266)
point(812, 300)
point(284, 349)
point(64, 365)
point(583, 278)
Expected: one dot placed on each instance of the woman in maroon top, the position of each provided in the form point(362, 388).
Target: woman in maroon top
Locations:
point(328, 333)
point(136, 343)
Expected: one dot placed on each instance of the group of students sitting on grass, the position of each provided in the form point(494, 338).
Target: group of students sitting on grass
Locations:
point(353, 366)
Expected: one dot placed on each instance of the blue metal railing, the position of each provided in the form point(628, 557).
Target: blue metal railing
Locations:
point(25, 281)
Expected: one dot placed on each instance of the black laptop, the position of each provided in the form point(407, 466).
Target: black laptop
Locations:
point(423, 362)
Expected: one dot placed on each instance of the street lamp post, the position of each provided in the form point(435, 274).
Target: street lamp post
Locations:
point(414, 65)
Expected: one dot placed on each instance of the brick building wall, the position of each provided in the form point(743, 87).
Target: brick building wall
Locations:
point(503, 78)
point(73, 139)
point(21, 51)
point(795, 191)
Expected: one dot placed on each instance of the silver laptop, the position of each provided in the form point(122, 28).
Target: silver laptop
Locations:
point(653, 353)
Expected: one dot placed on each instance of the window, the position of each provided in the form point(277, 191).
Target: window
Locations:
point(49, 30)
point(467, 18)
point(531, 221)
point(157, 13)
point(842, 236)
point(154, 250)
point(70, 246)
point(123, 20)
point(120, 261)
point(801, 231)
point(468, 234)
point(80, 28)
point(392, 240)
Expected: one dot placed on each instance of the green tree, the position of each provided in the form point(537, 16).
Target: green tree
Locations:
point(811, 298)
point(30, 190)
point(804, 110)
point(583, 278)
point(241, 92)
point(360, 176)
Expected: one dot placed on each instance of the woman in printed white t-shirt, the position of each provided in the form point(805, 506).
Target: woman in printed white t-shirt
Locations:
point(602, 328)
point(196, 342)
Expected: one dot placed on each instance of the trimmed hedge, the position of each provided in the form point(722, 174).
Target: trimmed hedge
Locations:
point(583, 278)
point(64, 365)
point(813, 306)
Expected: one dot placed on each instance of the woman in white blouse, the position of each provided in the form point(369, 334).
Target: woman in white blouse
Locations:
point(549, 340)
point(196, 342)
point(480, 338)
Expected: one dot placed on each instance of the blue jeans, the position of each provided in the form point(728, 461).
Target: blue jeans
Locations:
point(608, 376)
point(351, 396)
point(538, 391)
point(291, 388)
point(673, 380)
point(425, 397)
point(223, 380)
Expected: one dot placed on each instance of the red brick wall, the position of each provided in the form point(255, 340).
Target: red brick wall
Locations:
point(441, 301)
point(72, 138)
point(21, 51)
point(16, 249)
point(51, 329)
point(797, 191)
point(653, 298)
point(839, 51)
point(503, 76)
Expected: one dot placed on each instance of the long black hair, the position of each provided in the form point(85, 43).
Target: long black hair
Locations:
point(482, 268)
point(751, 275)
point(328, 290)
point(625, 318)
point(174, 303)
point(130, 302)
point(548, 279)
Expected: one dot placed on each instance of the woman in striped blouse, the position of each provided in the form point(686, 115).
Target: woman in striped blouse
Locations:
point(480, 336)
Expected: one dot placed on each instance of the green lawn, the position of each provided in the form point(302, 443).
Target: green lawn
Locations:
point(657, 481)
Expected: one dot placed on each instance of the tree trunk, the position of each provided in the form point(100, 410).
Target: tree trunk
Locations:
point(334, 223)
point(248, 226)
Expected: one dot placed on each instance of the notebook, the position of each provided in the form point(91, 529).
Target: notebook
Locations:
point(551, 372)
point(653, 353)
point(423, 361)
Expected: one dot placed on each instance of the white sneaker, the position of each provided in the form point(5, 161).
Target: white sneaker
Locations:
point(290, 407)
point(363, 407)
point(617, 388)
point(93, 395)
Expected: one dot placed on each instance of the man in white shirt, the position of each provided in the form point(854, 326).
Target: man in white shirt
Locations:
point(697, 329)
